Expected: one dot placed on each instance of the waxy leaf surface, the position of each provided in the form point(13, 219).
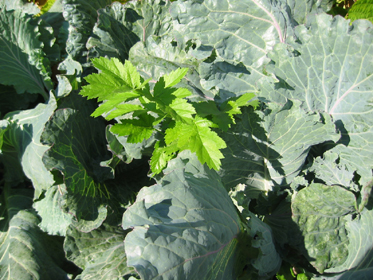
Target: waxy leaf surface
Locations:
point(184, 227)
point(330, 70)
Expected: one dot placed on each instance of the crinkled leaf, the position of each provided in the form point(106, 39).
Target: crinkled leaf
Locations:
point(54, 17)
point(26, 252)
point(22, 63)
point(119, 27)
point(23, 147)
point(267, 149)
point(332, 173)
point(71, 78)
point(54, 220)
point(330, 70)
point(185, 227)
point(100, 253)
point(81, 16)
point(241, 32)
point(321, 213)
point(359, 262)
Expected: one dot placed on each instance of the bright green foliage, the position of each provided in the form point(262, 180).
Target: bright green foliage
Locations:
point(361, 9)
point(141, 112)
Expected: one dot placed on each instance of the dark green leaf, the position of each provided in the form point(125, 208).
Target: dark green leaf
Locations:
point(22, 63)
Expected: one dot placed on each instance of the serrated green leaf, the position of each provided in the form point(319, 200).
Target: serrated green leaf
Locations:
point(207, 145)
point(182, 110)
point(101, 86)
point(174, 77)
point(244, 99)
point(325, 208)
point(161, 156)
point(182, 92)
point(123, 109)
point(113, 101)
point(223, 117)
point(361, 9)
point(113, 67)
point(137, 130)
point(185, 227)
point(198, 138)
point(162, 95)
point(156, 58)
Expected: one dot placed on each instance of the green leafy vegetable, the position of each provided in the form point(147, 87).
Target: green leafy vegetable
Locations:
point(26, 252)
point(191, 222)
point(22, 63)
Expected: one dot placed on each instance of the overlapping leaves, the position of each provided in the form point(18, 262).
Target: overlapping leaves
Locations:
point(22, 63)
point(329, 70)
point(142, 112)
point(26, 252)
point(267, 149)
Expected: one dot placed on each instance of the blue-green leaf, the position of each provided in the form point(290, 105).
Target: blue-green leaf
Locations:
point(185, 227)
